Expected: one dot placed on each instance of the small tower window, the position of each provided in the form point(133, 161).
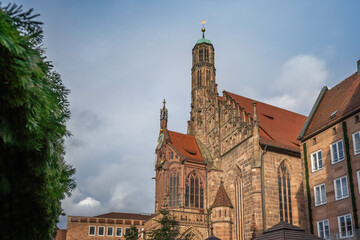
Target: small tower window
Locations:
point(199, 78)
point(201, 55)
point(206, 55)
point(208, 77)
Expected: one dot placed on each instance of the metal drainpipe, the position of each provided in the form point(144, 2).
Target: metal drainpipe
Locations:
point(263, 188)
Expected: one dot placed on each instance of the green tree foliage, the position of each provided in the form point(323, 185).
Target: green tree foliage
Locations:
point(34, 177)
point(168, 227)
point(133, 234)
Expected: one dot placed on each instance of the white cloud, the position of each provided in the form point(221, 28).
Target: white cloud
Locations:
point(89, 202)
point(299, 83)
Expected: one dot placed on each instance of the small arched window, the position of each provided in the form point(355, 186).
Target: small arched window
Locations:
point(206, 55)
point(199, 78)
point(284, 194)
point(201, 54)
point(174, 189)
point(194, 193)
point(208, 77)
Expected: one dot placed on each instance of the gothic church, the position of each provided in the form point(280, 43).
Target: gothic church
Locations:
point(237, 170)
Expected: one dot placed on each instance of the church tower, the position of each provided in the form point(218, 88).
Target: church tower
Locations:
point(203, 88)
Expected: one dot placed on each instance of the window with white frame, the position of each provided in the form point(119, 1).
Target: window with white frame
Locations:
point(101, 231)
point(345, 226)
point(92, 230)
point(323, 229)
point(110, 231)
point(316, 161)
point(118, 231)
point(358, 177)
point(337, 151)
point(356, 142)
point(127, 230)
point(341, 188)
point(320, 194)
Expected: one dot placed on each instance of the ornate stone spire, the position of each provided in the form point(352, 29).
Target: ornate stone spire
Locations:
point(163, 116)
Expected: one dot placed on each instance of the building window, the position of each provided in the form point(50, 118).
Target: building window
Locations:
point(110, 231)
point(206, 55)
point(356, 141)
point(358, 177)
point(316, 161)
point(320, 194)
point(208, 77)
point(174, 189)
point(101, 231)
point(127, 230)
point(323, 229)
point(345, 226)
point(341, 188)
point(199, 78)
point(194, 193)
point(284, 194)
point(92, 230)
point(201, 54)
point(337, 151)
point(171, 154)
point(357, 119)
point(118, 231)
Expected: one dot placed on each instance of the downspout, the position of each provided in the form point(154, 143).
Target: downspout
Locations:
point(263, 187)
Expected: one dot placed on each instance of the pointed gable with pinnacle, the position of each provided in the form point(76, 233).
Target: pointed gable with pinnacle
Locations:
point(221, 198)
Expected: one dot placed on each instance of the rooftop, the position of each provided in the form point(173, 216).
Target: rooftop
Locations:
point(278, 127)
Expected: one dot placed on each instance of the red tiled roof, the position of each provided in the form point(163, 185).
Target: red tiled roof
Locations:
point(278, 127)
point(343, 98)
point(119, 215)
point(221, 198)
point(186, 145)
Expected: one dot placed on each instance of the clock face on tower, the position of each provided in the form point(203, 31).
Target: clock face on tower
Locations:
point(160, 140)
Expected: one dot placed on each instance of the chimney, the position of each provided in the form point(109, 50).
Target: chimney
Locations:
point(358, 67)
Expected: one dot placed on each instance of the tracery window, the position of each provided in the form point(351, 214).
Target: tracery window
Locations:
point(201, 54)
point(194, 193)
point(199, 78)
point(208, 77)
point(206, 54)
point(174, 189)
point(284, 194)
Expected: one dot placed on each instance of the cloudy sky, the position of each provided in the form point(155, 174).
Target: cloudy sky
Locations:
point(120, 58)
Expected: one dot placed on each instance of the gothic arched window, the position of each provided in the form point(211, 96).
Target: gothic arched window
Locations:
point(194, 195)
point(284, 194)
point(206, 54)
point(174, 189)
point(199, 78)
point(201, 55)
point(208, 77)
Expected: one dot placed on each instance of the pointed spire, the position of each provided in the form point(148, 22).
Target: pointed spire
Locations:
point(163, 116)
point(221, 199)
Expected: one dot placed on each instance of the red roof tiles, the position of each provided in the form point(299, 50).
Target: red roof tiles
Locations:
point(337, 102)
point(278, 127)
point(221, 198)
point(186, 145)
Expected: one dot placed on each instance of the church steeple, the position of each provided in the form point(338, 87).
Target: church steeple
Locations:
point(203, 85)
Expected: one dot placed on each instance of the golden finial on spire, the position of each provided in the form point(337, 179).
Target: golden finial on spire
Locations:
point(203, 28)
